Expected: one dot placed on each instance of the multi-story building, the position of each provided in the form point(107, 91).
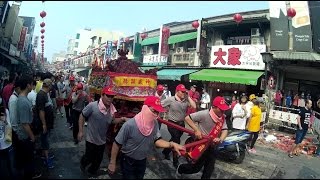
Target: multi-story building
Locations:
point(82, 41)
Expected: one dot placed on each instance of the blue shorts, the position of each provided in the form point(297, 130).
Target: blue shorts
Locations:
point(300, 134)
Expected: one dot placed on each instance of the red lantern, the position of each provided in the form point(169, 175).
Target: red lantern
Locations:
point(195, 24)
point(43, 14)
point(143, 36)
point(42, 24)
point(42, 31)
point(42, 41)
point(237, 18)
point(291, 12)
point(127, 40)
point(42, 36)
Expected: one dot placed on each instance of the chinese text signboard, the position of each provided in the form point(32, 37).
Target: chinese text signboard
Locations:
point(154, 60)
point(22, 40)
point(238, 57)
point(164, 47)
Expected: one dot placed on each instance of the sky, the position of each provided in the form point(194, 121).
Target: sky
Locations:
point(64, 18)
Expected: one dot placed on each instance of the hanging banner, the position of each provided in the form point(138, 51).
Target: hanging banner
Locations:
point(163, 44)
point(314, 7)
point(279, 39)
point(35, 42)
point(22, 39)
point(238, 56)
point(301, 27)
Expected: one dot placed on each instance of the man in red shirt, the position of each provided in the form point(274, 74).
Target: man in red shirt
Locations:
point(194, 95)
point(8, 89)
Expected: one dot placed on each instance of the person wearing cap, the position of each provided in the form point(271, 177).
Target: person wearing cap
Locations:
point(194, 94)
point(99, 115)
point(240, 113)
point(254, 124)
point(45, 113)
point(207, 120)
point(177, 106)
point(159, 93)
point(69, 89)
point(79, 100)
point(136, 138)
point(250, 103)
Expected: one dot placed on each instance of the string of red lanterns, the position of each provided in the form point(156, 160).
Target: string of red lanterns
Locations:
point(43, 14)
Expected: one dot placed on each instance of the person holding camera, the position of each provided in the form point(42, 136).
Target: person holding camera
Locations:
point(177, 106)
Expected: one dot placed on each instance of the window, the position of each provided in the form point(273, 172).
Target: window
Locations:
point(75, 53)
point(78, 36)
point(76, 44)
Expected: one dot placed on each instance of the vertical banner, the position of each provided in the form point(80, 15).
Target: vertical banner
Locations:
point(164, 46)
point(3, 10)
point(26, 43)
point(279, 39)
point(35, 42)
point(22, 39)
point(203, 45)
point(301, 26)
point(107, 52)
point(314, 7)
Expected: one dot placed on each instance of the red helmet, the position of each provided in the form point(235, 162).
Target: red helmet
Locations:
point(160, 87)
point(79, 86)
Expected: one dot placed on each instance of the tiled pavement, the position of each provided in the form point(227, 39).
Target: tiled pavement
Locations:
point(266, 163)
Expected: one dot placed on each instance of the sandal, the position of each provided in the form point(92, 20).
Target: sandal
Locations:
point(290, 155)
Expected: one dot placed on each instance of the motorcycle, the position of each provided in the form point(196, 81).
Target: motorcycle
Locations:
point(234, 147)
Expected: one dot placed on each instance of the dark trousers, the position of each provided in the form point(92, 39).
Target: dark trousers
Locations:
point(26, 157)
point(93, 155)
point(207, 160)
point(75, 120)
point(8, 164)
point(68, 109)
point(175, 137)
point(253, 137)
point(131, 168)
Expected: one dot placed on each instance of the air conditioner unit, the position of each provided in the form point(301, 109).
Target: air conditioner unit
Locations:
point(179, 50)
point(255, 41)
point(255, 32)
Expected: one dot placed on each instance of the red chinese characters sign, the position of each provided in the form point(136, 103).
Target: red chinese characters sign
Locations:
point(238, 57)
point(22, 39)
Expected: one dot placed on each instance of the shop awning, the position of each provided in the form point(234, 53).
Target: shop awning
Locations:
point(295, 56)
point(182, 37)
point(149, 41)
point(227, 76)
point(173, 74)
point(145, 68)
point(12, 59)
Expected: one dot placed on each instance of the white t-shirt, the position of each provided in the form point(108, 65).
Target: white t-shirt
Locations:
point(32, 96)
point(205, 100)
point(4, 144)
point(239, 123)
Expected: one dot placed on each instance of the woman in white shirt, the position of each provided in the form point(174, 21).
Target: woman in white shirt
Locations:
point(240, 113)
point(7, 161)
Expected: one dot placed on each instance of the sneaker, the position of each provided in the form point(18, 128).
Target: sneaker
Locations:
point(50, 164)
point(253, 150)
point(36, 175)
point(85, 123)
point(178, 175)
point(51, 156)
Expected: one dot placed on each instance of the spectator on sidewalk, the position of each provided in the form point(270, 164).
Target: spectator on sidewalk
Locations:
point(254, 124)
point(209, 121)
point(8, 89)
point(194, 95)
point(79, 100)
point(69, 89)
point(100, 114)
point(205, 100)
point(60, 95)
point(177, 106)
point(304, 124)
point(240, 114)
point(24, 132)
point(44, 111)
point(166, 91)
point(32, 96)
point(136, 139)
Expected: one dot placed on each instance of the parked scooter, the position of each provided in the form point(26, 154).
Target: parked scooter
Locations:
point(234, 147)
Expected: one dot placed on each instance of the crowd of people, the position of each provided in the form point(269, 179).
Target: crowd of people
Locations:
point(29, 106)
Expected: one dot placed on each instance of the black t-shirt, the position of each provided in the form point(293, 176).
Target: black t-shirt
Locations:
point(42, 103)
point(53, 91)
point(305, 116)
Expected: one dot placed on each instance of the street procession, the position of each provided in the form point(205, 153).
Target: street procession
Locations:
point(160, 90)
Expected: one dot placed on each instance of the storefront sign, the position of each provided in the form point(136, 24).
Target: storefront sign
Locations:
point(301, 26)
point(238, 56)
point(163, 44)
point(134, 81)
point(314, 7)
point(279, 40)
point(35, 42)
point(22, 40)
point(227, 86)
point(283, 116)
point(154, 59)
